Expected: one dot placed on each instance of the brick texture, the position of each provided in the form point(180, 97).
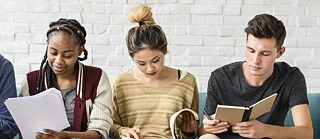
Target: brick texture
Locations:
point(202, 34)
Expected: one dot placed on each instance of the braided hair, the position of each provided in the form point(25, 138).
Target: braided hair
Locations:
point(65, 26)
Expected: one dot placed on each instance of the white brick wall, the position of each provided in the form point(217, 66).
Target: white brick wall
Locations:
point(202, 34)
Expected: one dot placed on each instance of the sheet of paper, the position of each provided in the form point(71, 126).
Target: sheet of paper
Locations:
point(34, 113)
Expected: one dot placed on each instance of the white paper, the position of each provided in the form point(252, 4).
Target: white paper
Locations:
point(34, 113)
point(174, 117)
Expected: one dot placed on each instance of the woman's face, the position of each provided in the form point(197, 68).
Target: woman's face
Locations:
point(63, 52)
point(149, 62)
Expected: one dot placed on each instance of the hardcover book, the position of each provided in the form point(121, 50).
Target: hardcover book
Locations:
point(236, 114)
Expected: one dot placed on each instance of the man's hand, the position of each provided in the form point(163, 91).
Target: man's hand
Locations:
point(251, 129)
point(51, 134)
point(214, 126)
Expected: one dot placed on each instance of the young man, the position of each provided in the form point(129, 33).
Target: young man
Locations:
point(244, 83)
point(8, 128)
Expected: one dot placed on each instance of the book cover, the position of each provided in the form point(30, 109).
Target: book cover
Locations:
point(236, 114)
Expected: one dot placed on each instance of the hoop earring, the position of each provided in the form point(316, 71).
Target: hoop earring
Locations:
point(85, 55)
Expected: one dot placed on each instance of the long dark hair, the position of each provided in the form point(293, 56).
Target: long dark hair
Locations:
point(62, 26)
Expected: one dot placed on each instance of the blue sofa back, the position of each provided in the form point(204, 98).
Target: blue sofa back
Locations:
point(314, 107)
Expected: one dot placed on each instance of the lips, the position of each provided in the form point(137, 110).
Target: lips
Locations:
point(151, 74)
point(58, 69)
point(255, 67)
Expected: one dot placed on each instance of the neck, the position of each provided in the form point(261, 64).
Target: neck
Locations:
point(156, 80)
point(255, 79)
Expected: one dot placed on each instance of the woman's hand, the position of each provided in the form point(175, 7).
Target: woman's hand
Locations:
point(51, 134)
point(188, 124)
point(130, 133)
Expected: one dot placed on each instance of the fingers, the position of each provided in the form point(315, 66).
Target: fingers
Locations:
point(131, 133)
point(244, 124)
point(215, 126)
point(50, 132)
point(43, 135)
point(188, 123)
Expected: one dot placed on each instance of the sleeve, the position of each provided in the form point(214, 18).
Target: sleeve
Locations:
point(24, 90)
point(297, 89)
point(211, 100)
point(7, 90)
point(117, 123)
point(100, 117)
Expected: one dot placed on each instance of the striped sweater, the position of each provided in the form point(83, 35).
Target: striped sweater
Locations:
point(150, 107)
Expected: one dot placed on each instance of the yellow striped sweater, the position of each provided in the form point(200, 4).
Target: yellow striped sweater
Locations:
point(150, 107)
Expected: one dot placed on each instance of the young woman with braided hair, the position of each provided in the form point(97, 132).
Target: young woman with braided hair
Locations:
point(78, 83)
point(146, 96)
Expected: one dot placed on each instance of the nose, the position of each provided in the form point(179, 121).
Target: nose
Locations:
point(256, 59)
point(150, 68)
point(58, 59)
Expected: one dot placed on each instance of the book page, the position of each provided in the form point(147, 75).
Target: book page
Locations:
point(263, 106)
point(34, 113)
point(230, 114)
point(174, 117)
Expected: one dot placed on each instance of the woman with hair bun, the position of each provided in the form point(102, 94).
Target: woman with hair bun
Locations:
point(146, 96)
point(80, 85)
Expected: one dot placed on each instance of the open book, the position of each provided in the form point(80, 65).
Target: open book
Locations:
point(34, 113)
point(236, 114)
point(173, 120)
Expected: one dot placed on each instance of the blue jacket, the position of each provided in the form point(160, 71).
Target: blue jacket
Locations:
point(8, 128)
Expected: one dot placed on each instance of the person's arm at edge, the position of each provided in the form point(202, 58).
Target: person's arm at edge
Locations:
point(100, 117)
point(302, 125)
point(83, 135)
point(8, 90)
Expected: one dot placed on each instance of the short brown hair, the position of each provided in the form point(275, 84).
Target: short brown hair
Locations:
point(147, 34)
point(267, 26)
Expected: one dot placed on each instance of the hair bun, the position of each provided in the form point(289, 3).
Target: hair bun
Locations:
point(141, 14)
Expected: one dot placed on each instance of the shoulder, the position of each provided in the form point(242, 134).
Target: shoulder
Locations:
point(91, 68)
point(285, 69)
point(227, 70)
point(189, 78)
point(32, 74)
point(123, 78)
point(5, 64)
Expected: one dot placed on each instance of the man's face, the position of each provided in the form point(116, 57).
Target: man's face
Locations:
point(260, 57)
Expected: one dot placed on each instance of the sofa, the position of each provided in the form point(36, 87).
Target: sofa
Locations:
point(314, 108)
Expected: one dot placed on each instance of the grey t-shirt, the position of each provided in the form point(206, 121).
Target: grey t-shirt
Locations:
point(69, 96)
point(227, 86)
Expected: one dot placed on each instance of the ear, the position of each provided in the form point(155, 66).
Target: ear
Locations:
point(281, 51)
point(81, 49)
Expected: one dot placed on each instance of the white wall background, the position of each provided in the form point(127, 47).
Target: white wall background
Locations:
point(203, 34)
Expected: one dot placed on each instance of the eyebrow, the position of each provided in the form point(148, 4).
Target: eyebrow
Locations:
point(264, 51)
point(66, 51)
point(151, 59)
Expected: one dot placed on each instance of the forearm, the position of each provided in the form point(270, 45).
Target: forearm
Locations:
point(297, 132)
point(115, 131)
point(83, 135)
